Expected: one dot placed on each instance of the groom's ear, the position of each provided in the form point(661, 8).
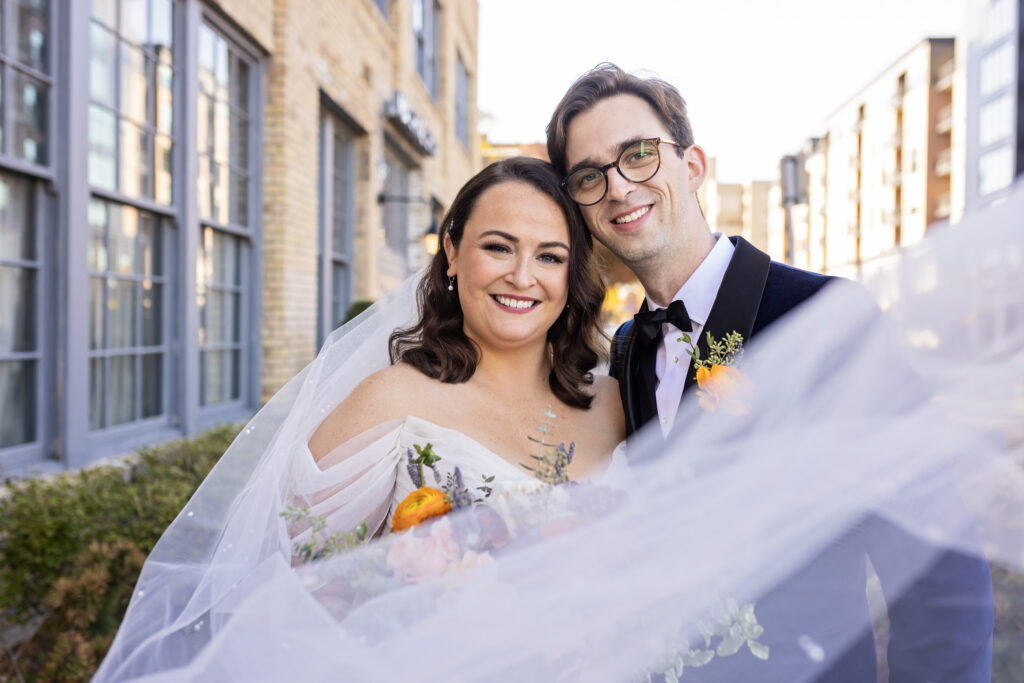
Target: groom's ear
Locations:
point(449, 251)
point(697, 167)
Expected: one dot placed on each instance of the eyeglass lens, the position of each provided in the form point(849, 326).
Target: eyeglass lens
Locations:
point(637, 163)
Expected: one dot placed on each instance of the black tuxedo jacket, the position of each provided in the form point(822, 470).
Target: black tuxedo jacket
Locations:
point(941, 623)
point(755, 292)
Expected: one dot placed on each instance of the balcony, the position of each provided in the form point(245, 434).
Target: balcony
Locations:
point(944, 119)
point(944, 163)
point(945, 74)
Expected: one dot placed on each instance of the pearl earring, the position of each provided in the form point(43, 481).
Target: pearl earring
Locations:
point(451, 283)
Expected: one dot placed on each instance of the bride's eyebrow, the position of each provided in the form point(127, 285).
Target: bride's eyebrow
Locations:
point(512, 238)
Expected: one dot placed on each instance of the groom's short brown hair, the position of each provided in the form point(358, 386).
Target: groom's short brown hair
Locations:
point(606, 80)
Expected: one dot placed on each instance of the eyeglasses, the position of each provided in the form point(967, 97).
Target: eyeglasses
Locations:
point(638, 163)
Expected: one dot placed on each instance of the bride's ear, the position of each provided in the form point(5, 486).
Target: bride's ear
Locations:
point(449, 251)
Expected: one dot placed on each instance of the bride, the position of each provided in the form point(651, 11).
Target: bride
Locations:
point(665, 572)
point(507, 331)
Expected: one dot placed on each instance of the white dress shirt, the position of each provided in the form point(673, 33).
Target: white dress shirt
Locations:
point(698, 295)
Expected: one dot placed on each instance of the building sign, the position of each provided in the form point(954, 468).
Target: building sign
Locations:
point(399, 112)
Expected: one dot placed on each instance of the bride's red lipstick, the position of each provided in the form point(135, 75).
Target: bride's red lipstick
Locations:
point(511, 309)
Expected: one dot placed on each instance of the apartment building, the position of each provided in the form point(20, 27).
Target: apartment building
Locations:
point(192, 194)
point(882, 172)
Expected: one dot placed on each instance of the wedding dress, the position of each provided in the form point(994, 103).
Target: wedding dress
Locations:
point(913, 420)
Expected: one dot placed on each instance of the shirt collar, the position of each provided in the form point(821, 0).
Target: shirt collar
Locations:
point(701, 288)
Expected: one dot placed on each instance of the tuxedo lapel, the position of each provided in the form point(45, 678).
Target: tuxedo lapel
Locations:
point(637, 384)
point(738, 299)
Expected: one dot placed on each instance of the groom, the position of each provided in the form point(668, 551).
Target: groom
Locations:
point(626, 150)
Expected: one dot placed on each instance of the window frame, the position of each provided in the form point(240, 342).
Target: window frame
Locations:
point(334, 124)
point(203, 416)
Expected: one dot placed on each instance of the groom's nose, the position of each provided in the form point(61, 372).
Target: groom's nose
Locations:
point(618, 187)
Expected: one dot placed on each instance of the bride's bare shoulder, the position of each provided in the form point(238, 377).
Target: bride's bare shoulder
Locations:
point(383, 396)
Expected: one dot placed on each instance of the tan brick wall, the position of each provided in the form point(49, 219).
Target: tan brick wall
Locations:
point(348, 53)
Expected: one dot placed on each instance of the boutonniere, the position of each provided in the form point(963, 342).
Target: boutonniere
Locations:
point(719, 384)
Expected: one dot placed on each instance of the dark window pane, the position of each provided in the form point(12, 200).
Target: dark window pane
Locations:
point(152, 384)
point(29, 112)
point(234, 316)
point(97, 394)
point(151, 245)
point(121, 309)
point(32, 30)
point(17, 227)
point(18, 397)
point(236, 374)
point(239, 86)
point(102, 148)
point(122, 389)
point(339, 282)
point(239, 198)
point(152, 314)
point(213, 377)
point(17, 309)
point(215, 317)
point(226, 259)
point(240, 141)
point(96, 298)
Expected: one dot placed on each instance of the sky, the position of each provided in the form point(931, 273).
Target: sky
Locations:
point(759, 77)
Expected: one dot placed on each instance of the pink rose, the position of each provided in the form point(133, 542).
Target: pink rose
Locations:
point(416, 557)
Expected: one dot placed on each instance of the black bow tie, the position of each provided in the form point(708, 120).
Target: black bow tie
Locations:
point(648, 323)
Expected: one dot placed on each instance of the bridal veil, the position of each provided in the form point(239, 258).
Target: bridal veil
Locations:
point(914, 418)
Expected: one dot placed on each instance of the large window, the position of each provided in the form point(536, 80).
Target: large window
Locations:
point(338, 216)
point(128, 347)
point(25, 78)
point(396, 202)
point(131, 82)
point(131, 91)
point(995, 170)
point(426, 29)
point(26, 87)
point(225, 189)
point(461, 102)
point(997, 69)
point(20, 356)
point(995, 120)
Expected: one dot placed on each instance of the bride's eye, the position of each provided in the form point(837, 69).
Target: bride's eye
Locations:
point(556, 259)
point(498, 248)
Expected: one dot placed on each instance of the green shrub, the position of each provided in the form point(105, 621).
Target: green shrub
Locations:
point(71, 547)
point(357, 307)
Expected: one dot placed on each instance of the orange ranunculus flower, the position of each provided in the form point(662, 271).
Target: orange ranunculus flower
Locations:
point(419, 506)
point(723, 387)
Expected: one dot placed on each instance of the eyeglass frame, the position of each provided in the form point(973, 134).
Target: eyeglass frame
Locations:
point(615, 164)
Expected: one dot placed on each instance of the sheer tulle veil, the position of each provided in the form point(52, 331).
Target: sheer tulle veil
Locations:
point(913, 416)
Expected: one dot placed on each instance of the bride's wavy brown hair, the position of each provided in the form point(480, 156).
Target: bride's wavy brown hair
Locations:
point(437, 345)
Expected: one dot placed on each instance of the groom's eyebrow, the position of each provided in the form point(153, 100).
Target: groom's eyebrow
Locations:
point(591, 163)
point(513, 238)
